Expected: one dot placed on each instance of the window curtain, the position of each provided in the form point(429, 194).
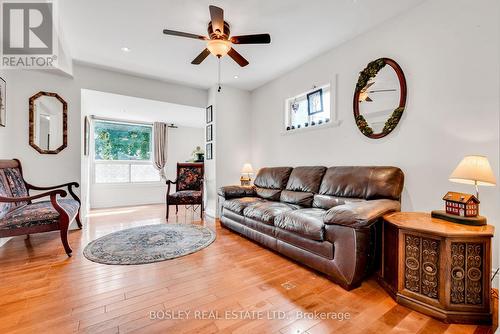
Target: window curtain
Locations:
point(160, 132)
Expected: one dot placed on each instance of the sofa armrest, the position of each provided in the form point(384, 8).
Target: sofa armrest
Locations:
point(229, 192)
point(360, 214)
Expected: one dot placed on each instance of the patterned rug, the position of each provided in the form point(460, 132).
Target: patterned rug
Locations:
point(148, 244)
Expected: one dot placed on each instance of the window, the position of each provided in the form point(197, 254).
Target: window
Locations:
point(123, 153)
point(308, 109)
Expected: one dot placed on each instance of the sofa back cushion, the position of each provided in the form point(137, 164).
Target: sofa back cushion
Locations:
point(327, 202)
point(302, 184)
point(363, 182)
point(270, 181)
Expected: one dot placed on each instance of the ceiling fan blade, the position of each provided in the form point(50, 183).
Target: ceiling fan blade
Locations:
point(251, 39)
point(183, 34)
point(201, 57)
point(217, 16)
point(237, 57)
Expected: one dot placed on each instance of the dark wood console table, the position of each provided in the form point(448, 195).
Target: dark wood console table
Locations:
point(437, 267)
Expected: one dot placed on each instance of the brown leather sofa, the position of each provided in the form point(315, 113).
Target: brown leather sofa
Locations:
point(325, 218)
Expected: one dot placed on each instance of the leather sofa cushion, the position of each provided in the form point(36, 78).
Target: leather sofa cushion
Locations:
point(239, 204)
point(272, 177)
point(306, 179)
point(297, 197)
point(363, 182)
point(306, 222)
point(327, 202)
point(266, 211)
point(269, 194)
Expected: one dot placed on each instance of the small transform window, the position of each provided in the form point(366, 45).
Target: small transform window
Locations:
point(308, 109)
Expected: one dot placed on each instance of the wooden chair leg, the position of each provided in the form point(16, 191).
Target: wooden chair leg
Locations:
point(64, 239)
point(63, 224)
point(78, 221)
point(168, 207)
point(201, 210)
point(176, 209)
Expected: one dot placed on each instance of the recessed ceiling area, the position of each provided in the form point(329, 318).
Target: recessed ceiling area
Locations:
point(126, 35)
point(128, 108)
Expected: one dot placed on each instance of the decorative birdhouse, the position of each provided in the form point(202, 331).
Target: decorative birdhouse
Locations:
point(463, 205)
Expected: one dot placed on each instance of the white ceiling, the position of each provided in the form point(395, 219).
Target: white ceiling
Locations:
point(127, 108)
point(96, 31)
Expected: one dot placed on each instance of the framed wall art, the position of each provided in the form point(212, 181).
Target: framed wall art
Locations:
point(209, 151)
point(209, 133)
point(315, 102)
point(210, 114)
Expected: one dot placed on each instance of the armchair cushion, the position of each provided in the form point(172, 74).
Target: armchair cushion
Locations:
point(16, 183)
point(360, 214)
point(185, 197)
point(39, 213)
point(189, 178)
point(4, 192)
point(229, 192)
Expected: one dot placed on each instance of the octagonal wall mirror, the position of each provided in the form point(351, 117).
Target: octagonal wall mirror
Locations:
point(48, 127)
point(380, 98)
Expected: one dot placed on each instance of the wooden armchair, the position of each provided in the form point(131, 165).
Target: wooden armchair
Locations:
point(188, 187)
point(19, 215)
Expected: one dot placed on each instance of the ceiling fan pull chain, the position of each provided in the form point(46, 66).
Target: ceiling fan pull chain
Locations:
point(218, 75)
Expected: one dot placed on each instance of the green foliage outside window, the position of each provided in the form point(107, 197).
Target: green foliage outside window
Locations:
point(118, 141)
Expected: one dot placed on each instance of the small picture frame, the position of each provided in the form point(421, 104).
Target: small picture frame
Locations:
point(210, 114)
point(86, 139)
point(3, 102)
point(315, 102)
point(209, 151)
point(209, 133)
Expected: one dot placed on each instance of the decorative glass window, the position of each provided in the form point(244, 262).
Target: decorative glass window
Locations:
point(123, 153)
point(308, 109)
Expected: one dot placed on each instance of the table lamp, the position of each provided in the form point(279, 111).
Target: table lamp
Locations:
point(246, 171)
point(476, 170)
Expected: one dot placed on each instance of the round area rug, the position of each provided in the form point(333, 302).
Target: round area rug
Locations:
point(150, 243)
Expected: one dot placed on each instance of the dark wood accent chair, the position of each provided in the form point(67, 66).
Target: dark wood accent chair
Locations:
point(188, 187)
point(19, 215)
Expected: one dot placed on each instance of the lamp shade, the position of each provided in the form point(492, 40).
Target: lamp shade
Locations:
point(474, 169)
point(247, 169)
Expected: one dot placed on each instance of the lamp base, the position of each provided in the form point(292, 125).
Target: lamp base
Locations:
point(245, 181)
point(474, 221)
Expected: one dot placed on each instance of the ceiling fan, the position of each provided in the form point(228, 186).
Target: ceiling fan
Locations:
point(219, 43)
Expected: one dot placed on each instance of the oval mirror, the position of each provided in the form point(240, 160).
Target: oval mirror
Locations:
point(380, 98)
point(48, 123)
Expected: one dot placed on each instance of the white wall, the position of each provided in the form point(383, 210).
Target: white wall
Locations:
point(66, 166)
point(449, 51)
point(231, 143)
point(181, 143)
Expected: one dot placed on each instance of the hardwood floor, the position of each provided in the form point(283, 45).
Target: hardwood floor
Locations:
point(42, 290)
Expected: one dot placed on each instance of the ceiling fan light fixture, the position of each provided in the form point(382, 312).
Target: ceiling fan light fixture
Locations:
point(219, 47)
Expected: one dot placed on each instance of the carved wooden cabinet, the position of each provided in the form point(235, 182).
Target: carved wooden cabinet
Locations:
point(437, 267)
